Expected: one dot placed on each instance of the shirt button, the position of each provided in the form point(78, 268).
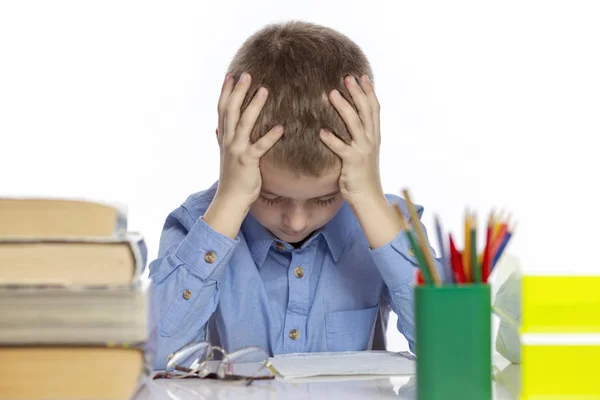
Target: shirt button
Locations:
point(411, 251)
point(298, 272)
point(280, 246)
point(210, 257)
point(187, 294)
point(294, 334)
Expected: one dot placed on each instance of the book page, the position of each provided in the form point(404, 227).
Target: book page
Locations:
point(299, 365)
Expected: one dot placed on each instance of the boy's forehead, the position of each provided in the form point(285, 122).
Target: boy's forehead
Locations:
point(284, 183)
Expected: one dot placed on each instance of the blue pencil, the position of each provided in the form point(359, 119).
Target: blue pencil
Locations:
point(501, 248)
point(444, 255)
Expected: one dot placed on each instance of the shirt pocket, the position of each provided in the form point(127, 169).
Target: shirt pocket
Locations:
point(350, 330)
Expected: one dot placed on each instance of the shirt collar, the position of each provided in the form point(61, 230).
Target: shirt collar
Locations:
point(336, 234)
point(258, 238)
point(338, 230)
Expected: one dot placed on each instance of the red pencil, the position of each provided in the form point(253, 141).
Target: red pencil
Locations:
point(485, 264)
point(420, 280)
point(456, 262)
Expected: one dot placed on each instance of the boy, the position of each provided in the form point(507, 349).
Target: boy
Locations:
point(296, 248)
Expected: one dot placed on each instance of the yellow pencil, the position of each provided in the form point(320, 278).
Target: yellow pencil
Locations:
point(497, 224)
point(490, 224)
point(466, 254)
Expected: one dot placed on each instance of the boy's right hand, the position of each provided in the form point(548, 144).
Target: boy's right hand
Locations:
point(240, 174)
point(239, 178)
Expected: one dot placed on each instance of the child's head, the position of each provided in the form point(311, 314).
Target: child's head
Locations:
point(299, 63)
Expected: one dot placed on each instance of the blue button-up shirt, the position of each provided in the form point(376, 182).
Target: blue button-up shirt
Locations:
point(250, 295)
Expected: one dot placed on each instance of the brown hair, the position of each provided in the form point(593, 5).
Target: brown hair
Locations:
point(299, 63)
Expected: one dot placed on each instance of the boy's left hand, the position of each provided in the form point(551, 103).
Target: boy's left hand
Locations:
point(359, 179)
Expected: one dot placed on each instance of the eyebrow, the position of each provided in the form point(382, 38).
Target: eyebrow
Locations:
point(318, 197)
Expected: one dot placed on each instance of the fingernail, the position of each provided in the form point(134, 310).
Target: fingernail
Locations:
point(350, 80)
point(262, 92)
point(278, 129)
point(244, 77)
point(324, 132)
point(227, 76)
point(336, 95)
point(367, 78)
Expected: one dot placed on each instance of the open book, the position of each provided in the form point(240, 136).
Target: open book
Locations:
point(352, 364)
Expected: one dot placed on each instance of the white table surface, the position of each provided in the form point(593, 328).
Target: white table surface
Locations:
point(398, 387)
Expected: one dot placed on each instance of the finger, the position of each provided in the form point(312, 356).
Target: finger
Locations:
point(263, 144)
point(334, 143)
point(350, 117)
point(250, 115)
point(362, 104)
point(222, 104)
point(232, 110)
point(367, 87)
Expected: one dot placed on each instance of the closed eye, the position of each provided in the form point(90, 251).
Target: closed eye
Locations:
point(269, 201)
point(276, 200)
point(326, 202)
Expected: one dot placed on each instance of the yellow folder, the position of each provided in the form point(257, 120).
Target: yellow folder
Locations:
point(560, 304)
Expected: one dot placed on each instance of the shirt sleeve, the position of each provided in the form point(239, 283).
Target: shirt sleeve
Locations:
point(398, 266)
point(185, 280)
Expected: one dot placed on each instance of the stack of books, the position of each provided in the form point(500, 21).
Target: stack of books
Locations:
point(560, 336)
point(74, 313)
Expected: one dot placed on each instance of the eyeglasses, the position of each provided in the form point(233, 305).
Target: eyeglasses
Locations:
point(197, 360)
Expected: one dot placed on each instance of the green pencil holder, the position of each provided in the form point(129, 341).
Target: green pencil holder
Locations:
point(453, 342)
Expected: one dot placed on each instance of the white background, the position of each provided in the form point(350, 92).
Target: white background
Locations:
point(485, 104)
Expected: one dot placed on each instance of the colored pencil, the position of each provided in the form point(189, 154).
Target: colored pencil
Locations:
point(443, 253)
point(456, 262)
point(497, 242)
point(475, 267)
point(422, 238)
point(485, 263)
point(413, 242)
point(420, 280)
point(503, 245)
point(497, 224)
point(466, 254)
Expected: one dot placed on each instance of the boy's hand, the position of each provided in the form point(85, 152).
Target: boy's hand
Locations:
point(360, 183)
point(240, 174)
point(239, 177)
point(359, 180)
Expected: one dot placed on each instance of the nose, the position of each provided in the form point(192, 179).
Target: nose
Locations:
point(295, 219)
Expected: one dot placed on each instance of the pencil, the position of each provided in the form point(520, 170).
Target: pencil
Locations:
point(497, 224)
point(420, 280)
point(422, 238)
point(475, 267)
point(490, 221)
point(444, 255)
point(485, 263)
point(502, 247)
point(456, 262)
point(497, 242)
point(413, 242)
point(466, 255)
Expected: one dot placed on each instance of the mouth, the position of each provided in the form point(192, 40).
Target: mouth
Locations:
point(292, 234)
